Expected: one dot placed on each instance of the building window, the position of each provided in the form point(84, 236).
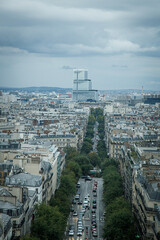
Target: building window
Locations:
point(155, 206)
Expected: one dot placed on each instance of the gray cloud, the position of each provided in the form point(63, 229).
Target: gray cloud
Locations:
point(74, 31)
point(43, 27)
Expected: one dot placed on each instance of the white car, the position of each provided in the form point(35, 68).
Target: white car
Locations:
point(71, 233)
point(75, 213)
point(79, 233)
point(83, 210)
point(77, 197)
point(80, 229)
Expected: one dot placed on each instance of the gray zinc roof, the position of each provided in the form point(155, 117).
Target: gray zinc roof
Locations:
point(24, 179)
point(5, 218)
point(4, 192)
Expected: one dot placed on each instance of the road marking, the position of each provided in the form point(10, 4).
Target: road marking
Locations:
point(102, 219)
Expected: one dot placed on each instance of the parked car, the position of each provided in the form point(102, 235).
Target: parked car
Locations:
point(88, 178)
point(95, 234)
point(73, 201)
point(72, 209)
point(94, 206)
point(78, 185)
point(95, 194)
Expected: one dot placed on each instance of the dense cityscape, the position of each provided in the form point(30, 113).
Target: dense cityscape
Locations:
point(79, 164)
point(79, 120)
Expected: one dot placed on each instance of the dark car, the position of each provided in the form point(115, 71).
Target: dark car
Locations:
point(95, 194)
point(74, 213)
point(78, 185)
point(79, 202)
point(83, 177)
point(95, 234)
point(73, 201)
point(94, 224)
point(72, 209)
point(88, 178)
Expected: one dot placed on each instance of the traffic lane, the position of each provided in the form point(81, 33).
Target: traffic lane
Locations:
point(85, 189)
point(101, 208)
point(95, 225)
point(88, 186)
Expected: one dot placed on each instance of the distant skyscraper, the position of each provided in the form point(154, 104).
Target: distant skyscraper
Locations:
point(80, 80)
point(82, 86)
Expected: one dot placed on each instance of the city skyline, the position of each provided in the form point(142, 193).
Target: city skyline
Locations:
point(42, 42)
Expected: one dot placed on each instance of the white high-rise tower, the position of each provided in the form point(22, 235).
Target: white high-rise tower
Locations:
point(82, 86)
point(80, 80)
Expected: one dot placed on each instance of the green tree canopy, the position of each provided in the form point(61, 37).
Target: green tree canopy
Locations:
point(94, 159)
point(30, 238)
point(82, 159)
point(74, 167)
point(107, 162)
point(91, 119)
point(118, 225)
point(70, 153)
point(87, 139)
point(62, 201)
point(49, 223)
point(68, 184)
point(87, 147)
point(100, 119)
point(86, 168)
point(118, 203)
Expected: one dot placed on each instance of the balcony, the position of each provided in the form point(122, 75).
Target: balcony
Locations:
point(18, 226)
point(156, 234)
point(149, 236)
point(148, 209)
point(149, 223)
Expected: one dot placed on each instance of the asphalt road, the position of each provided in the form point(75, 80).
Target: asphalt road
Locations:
point(86, 188)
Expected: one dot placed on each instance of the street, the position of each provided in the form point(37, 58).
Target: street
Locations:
point(90, 225)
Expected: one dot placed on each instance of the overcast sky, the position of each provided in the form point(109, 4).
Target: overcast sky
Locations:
point(42, 41)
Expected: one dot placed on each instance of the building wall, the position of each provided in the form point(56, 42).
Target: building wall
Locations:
point(145, 210)
point(85, 95)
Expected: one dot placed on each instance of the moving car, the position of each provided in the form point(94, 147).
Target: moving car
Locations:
point(77, 197)
point(71, 233)
point(79, 202)
point(79, 233)
point(75, 213)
